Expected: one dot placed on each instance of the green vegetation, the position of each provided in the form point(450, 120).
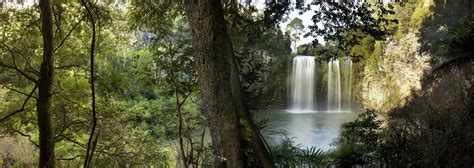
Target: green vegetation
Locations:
point(137, 119)
point(421, 12)
point(405, 140)
point(417, 130)
point(148, 103)
point(160, 83)
point(289, 154)
point(357, 144)
point(295, 29)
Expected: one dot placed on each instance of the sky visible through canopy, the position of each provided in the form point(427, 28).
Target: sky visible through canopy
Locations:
point(260, 4)
point(305, 17)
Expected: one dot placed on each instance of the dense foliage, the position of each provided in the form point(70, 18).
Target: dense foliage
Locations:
point(135, 105)
point(149, 108)
point(289, 154)
point(148, 105)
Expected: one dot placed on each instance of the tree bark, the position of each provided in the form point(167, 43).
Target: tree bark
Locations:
point(235, 138)
point(43, 103)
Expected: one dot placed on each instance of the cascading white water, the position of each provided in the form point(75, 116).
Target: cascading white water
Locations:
point(330, 87)
point(334, 86)
point(339, 84)
point(303, 84)
point(349, 93)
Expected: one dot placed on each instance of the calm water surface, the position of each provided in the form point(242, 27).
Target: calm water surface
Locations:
point(308, 129)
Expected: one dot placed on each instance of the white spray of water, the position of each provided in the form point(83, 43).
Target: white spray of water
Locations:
point(303, 84)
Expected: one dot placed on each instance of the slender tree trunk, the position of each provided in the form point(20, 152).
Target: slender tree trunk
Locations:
point(184, 158)
point(43, 103)
point(227, 114)
point(92, 136)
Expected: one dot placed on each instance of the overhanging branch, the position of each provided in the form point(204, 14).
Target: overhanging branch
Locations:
point(14, 67)
point(2, 64)
point(69, 33)
point(22, 107)
point(17, 91)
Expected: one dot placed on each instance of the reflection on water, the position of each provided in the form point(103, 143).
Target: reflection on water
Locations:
point(308, 129)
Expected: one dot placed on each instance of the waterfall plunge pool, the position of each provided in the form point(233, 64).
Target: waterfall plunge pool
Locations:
point(320, 100)
point(308, 129)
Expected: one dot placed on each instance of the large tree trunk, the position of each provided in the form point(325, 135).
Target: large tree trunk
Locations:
point(235, 138)
point(43, 103)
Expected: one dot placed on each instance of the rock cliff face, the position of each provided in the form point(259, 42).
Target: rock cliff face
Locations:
point(399, 72)
point(447, 90)
point(255, 77)
point(405, 65)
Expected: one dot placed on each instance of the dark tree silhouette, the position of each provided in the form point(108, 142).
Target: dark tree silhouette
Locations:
point(43, 103)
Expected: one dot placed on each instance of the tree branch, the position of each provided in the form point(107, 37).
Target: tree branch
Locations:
point(72, 158)
point(17, 91)
point(26, 135)
point(69, 34)
point(2, 64)
point(73, 141)
point(14, 66)
point(72, 66)
point(66, 126)
point(85, 147)
point(22, 107)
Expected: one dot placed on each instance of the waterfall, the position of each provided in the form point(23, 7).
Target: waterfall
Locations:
point(349, 96)
point(334, 86)
point(339, 85)
point(303, 84)
point(330, 87)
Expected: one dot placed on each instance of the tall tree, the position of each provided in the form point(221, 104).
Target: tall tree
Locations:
point(295, 29)
point(236, 140)
point(43, 103)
